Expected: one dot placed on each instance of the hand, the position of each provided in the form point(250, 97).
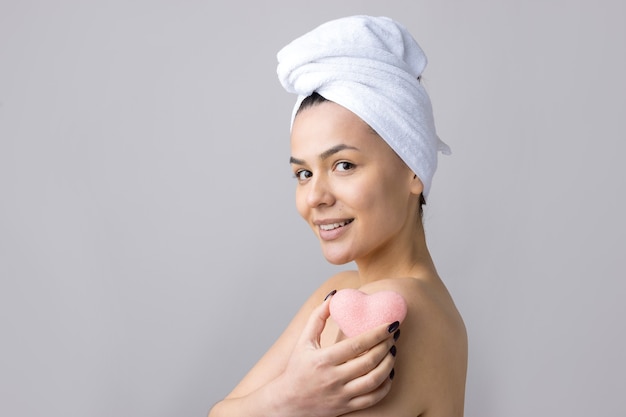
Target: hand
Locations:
point(350, 375)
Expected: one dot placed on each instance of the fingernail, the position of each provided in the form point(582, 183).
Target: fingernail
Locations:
point(396, 335)
point(393, 350)
point(393, 326)
point(392, 374)
point(330, 294)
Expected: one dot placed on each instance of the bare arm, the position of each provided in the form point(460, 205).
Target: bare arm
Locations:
point(297, 377)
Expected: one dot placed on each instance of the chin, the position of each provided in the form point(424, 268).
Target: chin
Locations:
point(338, 262)
point(337, 258)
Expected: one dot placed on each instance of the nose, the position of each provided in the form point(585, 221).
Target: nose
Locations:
point(319, 192)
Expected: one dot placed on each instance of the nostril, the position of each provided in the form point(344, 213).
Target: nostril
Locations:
point(319, 194)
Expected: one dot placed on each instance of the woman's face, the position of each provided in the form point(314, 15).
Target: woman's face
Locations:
point(354, 191)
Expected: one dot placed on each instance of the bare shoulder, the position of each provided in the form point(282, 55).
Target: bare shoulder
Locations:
point(427, 300)
point(431, 361)
point(430, 306)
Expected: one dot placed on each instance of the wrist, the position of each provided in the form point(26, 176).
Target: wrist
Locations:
point(270, 400)
point(276, 399)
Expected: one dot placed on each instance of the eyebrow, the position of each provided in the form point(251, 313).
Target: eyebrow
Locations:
point(324, 155)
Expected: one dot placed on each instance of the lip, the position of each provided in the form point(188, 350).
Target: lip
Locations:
point(332, 233)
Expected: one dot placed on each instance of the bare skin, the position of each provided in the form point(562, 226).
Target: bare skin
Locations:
point(362, 202)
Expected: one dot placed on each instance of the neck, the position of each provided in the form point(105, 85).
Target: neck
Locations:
point(406, 257)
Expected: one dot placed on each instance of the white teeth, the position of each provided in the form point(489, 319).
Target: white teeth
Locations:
point(333, 225)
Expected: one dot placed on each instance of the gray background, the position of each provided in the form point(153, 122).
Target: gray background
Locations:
point(150, 250)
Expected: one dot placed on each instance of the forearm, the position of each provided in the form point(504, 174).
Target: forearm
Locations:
point(308, 380)
point(263, 402)
point(236, 407)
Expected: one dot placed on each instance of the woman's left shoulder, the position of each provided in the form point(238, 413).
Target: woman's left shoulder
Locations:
point(424, 297)
point(431, 363)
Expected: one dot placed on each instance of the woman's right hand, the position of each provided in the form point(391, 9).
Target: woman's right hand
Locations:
point(353, 374)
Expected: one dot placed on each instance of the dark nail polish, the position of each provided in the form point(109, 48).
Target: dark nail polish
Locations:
point(392, 374)
point(393, 326)
point(393, 350)
point(330, 294)
point(396, 335)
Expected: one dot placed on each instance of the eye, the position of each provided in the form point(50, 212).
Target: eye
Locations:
point(344, 166)
point(303, 175)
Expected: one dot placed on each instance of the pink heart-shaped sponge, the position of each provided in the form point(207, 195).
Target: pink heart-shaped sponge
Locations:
point(355, 311)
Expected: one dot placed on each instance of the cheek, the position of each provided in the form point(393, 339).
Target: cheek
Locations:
point(301, 205)
point(361, 198)
point(384, 201)
point(364, 199)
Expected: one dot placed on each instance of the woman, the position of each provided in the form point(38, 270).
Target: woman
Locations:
point(363, 152)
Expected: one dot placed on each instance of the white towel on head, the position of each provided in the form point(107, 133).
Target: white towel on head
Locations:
point(371, 66)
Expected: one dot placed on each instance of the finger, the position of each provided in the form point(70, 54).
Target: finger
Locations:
point(371, 381)
point(354, 346)
point(371, 398)
point(314, 326)
point(366, 362)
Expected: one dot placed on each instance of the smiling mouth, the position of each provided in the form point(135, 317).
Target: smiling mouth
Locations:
point(333, 226)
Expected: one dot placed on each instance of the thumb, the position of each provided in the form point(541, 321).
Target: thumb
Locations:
point(315, 325)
